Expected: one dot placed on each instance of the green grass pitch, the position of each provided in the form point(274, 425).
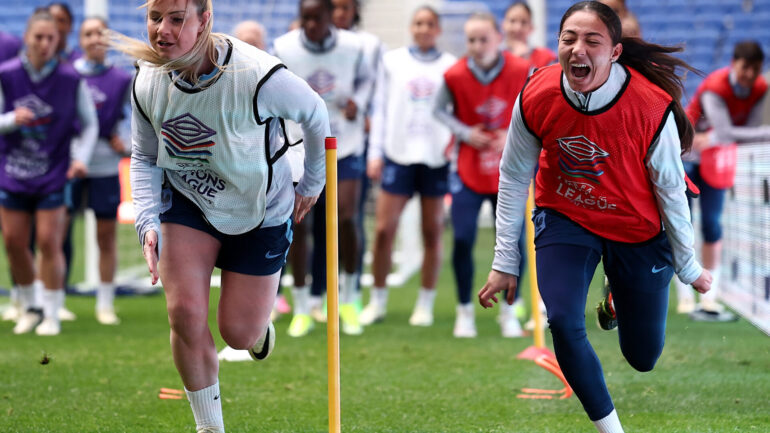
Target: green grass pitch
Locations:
point(395, 378)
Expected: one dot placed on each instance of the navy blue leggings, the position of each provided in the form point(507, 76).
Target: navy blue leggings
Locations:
point(639, 275)
point(711, 201)
point(466, 205)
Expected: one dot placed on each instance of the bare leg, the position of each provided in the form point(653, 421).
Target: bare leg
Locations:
point(432, 229)
point(16, 232)
point(50, 226)
point(105, 237)
point(298, 254)
point(389, 208)
point(185, 267)
point(349, 192)
point(244, 307)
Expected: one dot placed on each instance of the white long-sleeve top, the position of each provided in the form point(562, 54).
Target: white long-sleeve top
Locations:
point(83, 144)
point(282, 95)
point(664, 165)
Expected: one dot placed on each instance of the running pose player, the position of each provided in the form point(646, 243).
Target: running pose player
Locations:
point(221, 197)
point(607, 129)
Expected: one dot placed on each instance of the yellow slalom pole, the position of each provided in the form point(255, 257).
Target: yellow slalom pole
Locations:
point(332, 287)
point(539, 332)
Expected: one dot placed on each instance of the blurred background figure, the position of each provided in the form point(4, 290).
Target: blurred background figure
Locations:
point(251, 32)
point(726, 109)
point(517, 27)
point(628, 21)
point(62, 13)
point(10, 46)
point(407, 155)
point(346, 15)
point(45, 105)
point(111, 90)
point(476, 103)
point(334, 63)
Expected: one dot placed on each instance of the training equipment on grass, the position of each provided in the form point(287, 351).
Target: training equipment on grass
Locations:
point(538, 353)
point(171, 394)
point(332, 287)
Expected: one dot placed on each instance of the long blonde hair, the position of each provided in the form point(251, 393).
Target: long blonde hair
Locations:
point(205, 47)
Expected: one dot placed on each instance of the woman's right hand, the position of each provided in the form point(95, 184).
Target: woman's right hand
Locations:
point(23, 116)
point(497, 282)
point(374, 169)
point(479, 138)
point(703, 283)
point(150, 251)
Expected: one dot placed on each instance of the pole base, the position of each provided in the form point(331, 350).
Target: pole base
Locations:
point(534, 352)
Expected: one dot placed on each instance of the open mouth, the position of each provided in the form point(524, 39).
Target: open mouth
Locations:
point(579, 70)
point(164, 44)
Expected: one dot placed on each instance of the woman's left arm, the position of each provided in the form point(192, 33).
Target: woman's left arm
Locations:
point(664, 164)
point(287, 96)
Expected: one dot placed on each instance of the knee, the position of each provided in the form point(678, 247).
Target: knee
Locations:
point(49, 245)
point(187, 318)
point(565, 327)
point(239, 335)
point(15, 243)
point(712, 230)
point(384, 233)
point(641, 360)
point(432, 238)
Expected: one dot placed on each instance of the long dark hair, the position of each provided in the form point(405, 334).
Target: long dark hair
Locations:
point(651, 60)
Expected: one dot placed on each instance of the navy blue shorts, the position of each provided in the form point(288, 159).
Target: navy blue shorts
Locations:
point(31, 202)
point(103, 195)
point(351, 167)
point(261, 251)
point(639, 265)
point(408, 179)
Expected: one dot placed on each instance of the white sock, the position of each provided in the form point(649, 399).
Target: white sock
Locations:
point(609, 424)
point(379, 296)
point(206, 405)
point(708, 300)
point(467, 309)
point(14, 297)
point(684, 292)
point(426, 298)
point(348, 287)
point(28, 296)
point(505, 309)
point(52, 302)
point(105, 296)
point(315, 302)
point(301, 297)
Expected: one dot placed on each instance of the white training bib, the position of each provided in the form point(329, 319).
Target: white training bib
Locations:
point(332, 75)
point(211, 144)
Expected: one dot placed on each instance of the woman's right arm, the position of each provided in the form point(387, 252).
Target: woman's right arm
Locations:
point(146, 176)
point(522, 150)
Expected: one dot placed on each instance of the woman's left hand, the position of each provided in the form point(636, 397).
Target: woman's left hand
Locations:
point(77, 169)
point(302, 206)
